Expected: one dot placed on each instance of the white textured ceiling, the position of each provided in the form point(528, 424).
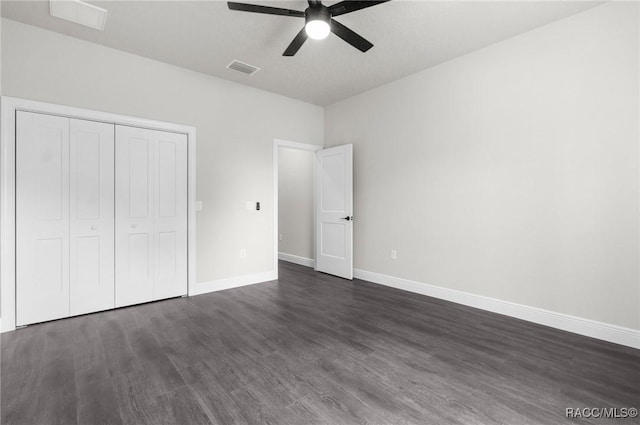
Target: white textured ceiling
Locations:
point(204, 36)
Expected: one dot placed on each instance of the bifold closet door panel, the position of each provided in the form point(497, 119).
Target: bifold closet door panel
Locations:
point(170, 215)
point(91, 179)
point(134, 215)
point(151, 215)
point(42, 217)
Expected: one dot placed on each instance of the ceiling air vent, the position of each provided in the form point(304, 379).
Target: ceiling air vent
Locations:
point(245, 68)
point(79, 12)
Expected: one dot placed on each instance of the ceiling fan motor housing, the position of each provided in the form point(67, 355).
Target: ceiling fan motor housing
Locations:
point(321, 13)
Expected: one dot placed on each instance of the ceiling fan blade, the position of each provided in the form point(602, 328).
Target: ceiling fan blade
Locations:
point(244, 7)
point(349, 36)
point(296, 43)
point(351, 6)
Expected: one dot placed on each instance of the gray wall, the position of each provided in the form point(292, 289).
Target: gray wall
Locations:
point(295, 202)
point(236, 127)
point(511, 172)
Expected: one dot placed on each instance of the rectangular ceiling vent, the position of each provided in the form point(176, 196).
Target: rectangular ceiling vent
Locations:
point(245, 68)
point(79, 12)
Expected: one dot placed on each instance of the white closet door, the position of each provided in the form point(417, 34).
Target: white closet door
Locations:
point(91, 216)
point(42, 218)
point(151, 215)
point(170, 215)
point(134, 215)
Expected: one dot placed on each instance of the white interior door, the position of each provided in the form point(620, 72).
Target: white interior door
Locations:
point(170, 215)
point(334, 211)
point(151, 215)
point(134, 215)
point(42, 218)
point(91, 216)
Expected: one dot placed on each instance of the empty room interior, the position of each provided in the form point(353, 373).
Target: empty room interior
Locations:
point(319, 212)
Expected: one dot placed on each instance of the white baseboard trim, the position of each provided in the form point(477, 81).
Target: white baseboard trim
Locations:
point(591, 328)
point(303, 261)
point(232, 282)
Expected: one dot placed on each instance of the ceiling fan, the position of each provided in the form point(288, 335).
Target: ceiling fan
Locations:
point(319, 21)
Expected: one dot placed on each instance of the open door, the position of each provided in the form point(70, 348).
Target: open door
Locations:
point(334, 211)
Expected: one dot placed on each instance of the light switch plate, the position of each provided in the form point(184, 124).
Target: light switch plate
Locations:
point(198, 205)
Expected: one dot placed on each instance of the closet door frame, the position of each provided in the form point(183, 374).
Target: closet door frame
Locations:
point(9, 106)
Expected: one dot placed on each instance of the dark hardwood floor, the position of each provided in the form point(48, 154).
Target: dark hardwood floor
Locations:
point(308, 349)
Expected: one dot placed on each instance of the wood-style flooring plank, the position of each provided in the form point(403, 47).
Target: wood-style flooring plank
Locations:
point(180, 406)
point(56, 398)
point(97, 403)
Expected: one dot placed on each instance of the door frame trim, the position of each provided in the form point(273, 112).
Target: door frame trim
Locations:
point(8, 108)
point(277, 144)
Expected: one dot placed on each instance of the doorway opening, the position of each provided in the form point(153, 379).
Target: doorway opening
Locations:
point(294, 203)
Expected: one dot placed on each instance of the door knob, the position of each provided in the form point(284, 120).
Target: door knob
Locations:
point(133, 226)
point(348, 218)
point(93, 227)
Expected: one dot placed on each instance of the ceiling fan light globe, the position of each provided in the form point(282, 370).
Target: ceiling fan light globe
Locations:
point(317, 29)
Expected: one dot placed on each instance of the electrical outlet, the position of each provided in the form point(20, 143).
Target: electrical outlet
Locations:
point(394, 254)
point(243, 253)
point(198, 205)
